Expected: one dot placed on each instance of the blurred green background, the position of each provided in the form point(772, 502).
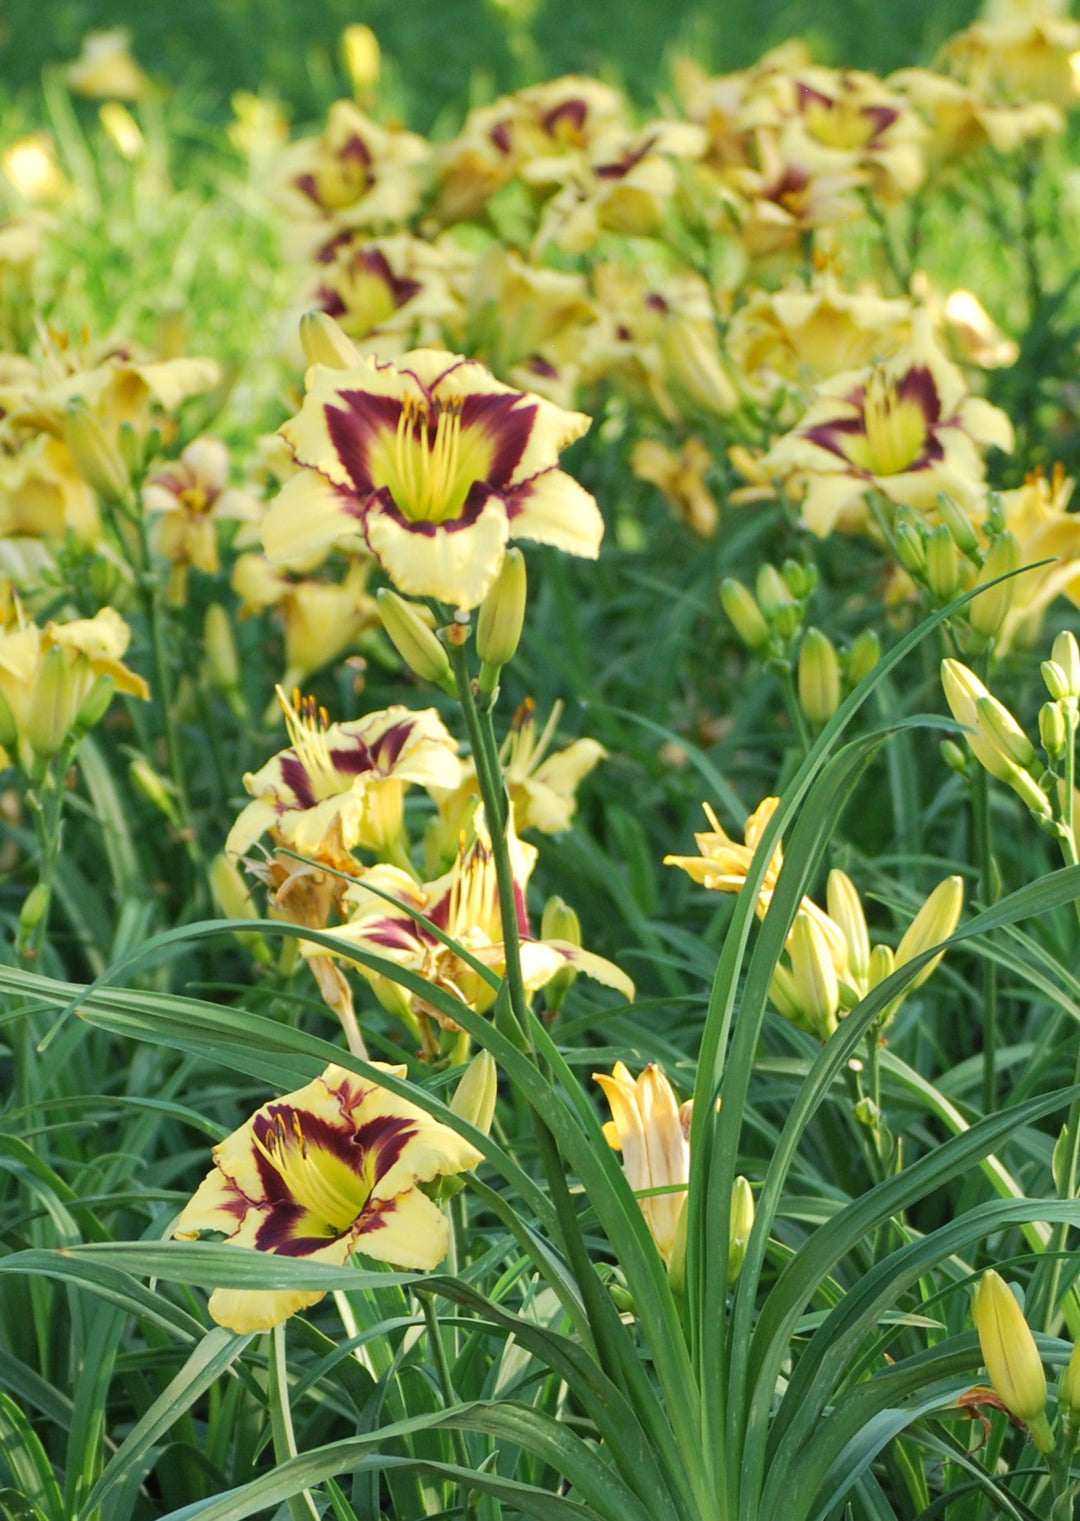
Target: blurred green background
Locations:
point(442, 54)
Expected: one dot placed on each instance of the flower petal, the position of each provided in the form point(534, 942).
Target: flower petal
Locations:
point(552, 508)
point(455, 561)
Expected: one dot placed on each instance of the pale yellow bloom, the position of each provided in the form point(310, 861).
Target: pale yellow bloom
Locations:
point(106, 70)
point(1037, 513)
point(650, 1129)
point(680, 477)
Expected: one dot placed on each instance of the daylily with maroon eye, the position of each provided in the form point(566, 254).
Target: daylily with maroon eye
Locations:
point(341, 786)
point(320, 1174)
point(435, 465)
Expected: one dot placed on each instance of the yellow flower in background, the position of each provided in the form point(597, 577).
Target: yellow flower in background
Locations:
point(1018, 53)
point(680, 477)
point(319, 1174)
point(389, 294)
point(193, 495)
point(964, 121)
point(435, 466)
point(1037, 514)
point(321, 619)
point(32, 169)
point(650, 1129)
point(907, 427)
point(105, 68)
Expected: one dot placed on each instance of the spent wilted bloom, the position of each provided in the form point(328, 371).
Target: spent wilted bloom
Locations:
point(463, 904)
point(319, 1174)
point(436, 466)
point(907, 427)
point(650, 1129)
point(1011, 1356)
point(340, 786)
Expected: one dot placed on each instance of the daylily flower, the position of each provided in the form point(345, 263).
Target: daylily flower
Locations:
point(907, 427)
point(319, 1174)
point(724, 864)
point(340, 786)
point(321, 619)
point(964, 120)
point(1037, 513)
point(105, 69)
point(436, 466)
point(680, 478)
point(464, 904)
point(388, 294)
point(193, 495)
point(651, 1130)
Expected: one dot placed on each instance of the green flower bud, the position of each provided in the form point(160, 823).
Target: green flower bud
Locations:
point(417, 644)
point(9, 729)
point(882, 965)
point(1011, 1356)
point(559, 922)
point(942, 568)
point(1069, 1388)
point(863, 656)
point(987, 612)
point(934, 923)
point(814, 974)
point(819, 677)
point(35, 907)
point(744, 613)
point(954, 756)
point(1053, 730)
point(772, 590)
point(742, 1223)
point(910, 550)
point(153, 788)
point(800, 580)
point(475, 1095)
point(1001, 730)
point(94, 706)
point(501, 619)
point(52, 711)
point(959, 525)
point(846, 910)
point(1066, 654)
point(1055, 680)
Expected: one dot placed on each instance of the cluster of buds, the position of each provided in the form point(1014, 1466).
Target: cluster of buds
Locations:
point(954, 556)
point(832, 965)
point(998, 742)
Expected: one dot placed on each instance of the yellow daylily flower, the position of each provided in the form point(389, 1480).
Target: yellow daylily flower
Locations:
point(651, 1130)
point(433, 464)
point(319, 1174)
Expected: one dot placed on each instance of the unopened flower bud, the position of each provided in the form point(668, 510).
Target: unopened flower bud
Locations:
point(954, 756)
point(1011, 1356)
point(744, 613)
point(846, 910)
point(863, 656)
point(1053, 730)
point(785, 996)
point(742, 1223)
point(94, 706)
point(800, 580)
point(1001, 729)
point(882, 965)
point(959, 525)
point(35, 907)
point(910, 549)
point(986, 612)
point(867, 1112)
point(361, 49)
point(772, 590)
point(559, 922)
point(153, 788)
point(52, 711)
point(1069, 1388)
point(942, 568)
point(815, 976)
point(934, 923)
point(1055, 680)
point(9, 729)
point(324, 342)
point(417, 644)
point(501, 619)
point(787, 619)
point(1066, 653)
point(475, 1095)
point(96, 457)
point(819, 677)
point(962, 692)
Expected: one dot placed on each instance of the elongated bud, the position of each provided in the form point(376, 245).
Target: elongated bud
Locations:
point(1069, 1388)
point(942, 569)
point(986, 612)
point(772, 590)
point(846, 910)
point(801, 580)
point(1053, 730)
point(417, 644)
point(959, 525)
point(934, 923)
point(910, 549)
point(1059, 1162)
point(745, 615)
point(1055, 680)
point(475, 1095)
point(559, 922)
point(362, 59)
point(153, 787)
point(1066, 653)
point(954, 756)
point(96, 457)
point(742, 1223)
point(94, 706)
point(501, 619)
point(785, 995)
point(882, 965)
point(819, 677)
point(1001, 730)
point(9, 729)
point(324, 342)
point(677, 1261)
point(863, 656)
point(962, 692)
point(232, 894)
point(35, 907)
point(1011, 1356)
point(52, 711)
point(815, 976)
